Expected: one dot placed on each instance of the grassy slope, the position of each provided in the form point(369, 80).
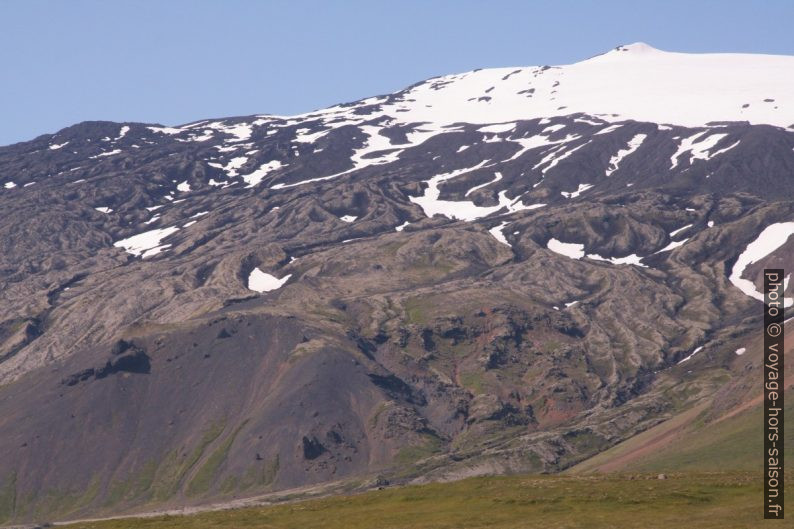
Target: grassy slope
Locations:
point(687, 443)
point(684, 443)
point(735, 442)
point(716, 500)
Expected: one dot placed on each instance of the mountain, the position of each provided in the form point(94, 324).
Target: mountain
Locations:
point(498, 271)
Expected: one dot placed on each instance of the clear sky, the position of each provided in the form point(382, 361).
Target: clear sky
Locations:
point(175, 61)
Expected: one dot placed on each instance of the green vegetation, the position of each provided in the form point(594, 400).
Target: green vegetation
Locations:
point(260, 475)
point(330, 314)
point(391, 248)
point(411, 454)
point(205, 475)
point(137, 485)
point(735, 441)
point(683, 394)
point(383, 406)
point(172, 471)
point(473, 381)
point(54, 502)
point(550, 346)
point(306, 348)
point(715, 500)
point(209, 436)
point(8, 497)
point(687, 443)
point(418, 310)
point(585, 441)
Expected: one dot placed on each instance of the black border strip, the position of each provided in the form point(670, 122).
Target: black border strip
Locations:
point(773, 393)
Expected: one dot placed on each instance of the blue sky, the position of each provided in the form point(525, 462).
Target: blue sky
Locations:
point(177, 61)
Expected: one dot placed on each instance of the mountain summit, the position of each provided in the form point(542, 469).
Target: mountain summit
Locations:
point(630, 82)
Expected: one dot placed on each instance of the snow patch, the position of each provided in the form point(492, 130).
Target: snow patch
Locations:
point(231, 166)
point(609, 129)
point(552, 128)
point(258, 175)
point(697, 148)
point(497, 177)
point(582, 188)
point(123, 132)
point(260, 281)
point(147, 243)
point(576, 251)
point(498, 128)
point(165, 130)
point(632, 259)
point(498, 234)
point(207, 134)
point(568, 249)
point(557, 159)
point(679, 230)
point(361, 158)
point(240, 131)
point(633, 145)
point(696, 351)
point(672, 246)
point(769, 240)
point(304, 136)
point(109, 153)
point(464, 210)
point(726, 149)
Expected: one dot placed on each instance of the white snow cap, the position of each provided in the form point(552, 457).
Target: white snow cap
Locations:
point(635, 81)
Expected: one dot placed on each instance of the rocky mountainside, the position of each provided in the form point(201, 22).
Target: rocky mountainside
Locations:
point(502, 270)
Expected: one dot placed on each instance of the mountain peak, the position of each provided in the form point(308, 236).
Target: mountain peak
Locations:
point(635, 50)
point(636, 47)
